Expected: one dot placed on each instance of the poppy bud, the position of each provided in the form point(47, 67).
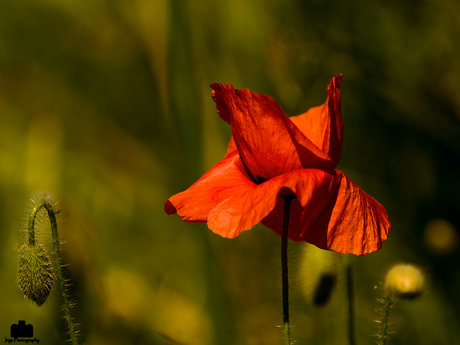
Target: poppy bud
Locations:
point(35, 273)
point(405, 281)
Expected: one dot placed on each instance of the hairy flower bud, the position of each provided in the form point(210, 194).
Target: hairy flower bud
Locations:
point(35, 273)
point(405, 281)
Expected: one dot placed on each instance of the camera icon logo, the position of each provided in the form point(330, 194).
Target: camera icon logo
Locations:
point(21, 330)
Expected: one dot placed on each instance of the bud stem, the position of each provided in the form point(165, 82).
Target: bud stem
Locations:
point(45, 203)
point(383, 334)
point(284, 269)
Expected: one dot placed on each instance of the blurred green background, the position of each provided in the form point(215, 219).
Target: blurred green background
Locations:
point(106, 106)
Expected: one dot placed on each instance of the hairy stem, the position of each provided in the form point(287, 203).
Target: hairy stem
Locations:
point(383, 333)
point(45, 203)
point(284, 269)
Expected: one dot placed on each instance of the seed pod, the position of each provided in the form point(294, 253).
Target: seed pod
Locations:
point(35, 273)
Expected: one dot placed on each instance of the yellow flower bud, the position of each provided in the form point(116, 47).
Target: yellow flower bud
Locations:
point(405, 281)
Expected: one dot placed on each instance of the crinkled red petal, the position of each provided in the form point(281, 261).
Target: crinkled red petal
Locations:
point(227, 177)
point(231, 146)
point(323, 125)
point(351, 221)
point(227, 199)
point(268, 141)
point(249, 206)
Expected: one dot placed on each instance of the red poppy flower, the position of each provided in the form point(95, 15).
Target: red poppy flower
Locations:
point(271, 155)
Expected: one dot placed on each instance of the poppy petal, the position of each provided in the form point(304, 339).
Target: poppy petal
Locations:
point(323, 125)
point(215, 186)
point(268, 141)
point(350, 222)
point(252, 203)
point(231, 146)
point(274, 219)
point(358, 224)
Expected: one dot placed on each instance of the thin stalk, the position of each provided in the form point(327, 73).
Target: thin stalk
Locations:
point(383, 333)
point(284, 269)
point(45, 203)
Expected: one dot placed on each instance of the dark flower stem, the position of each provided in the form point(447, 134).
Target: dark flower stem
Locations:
point(45, 203)
point(284, 269)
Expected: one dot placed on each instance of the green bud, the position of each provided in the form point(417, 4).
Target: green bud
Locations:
point(405, 281)
point(35, 273)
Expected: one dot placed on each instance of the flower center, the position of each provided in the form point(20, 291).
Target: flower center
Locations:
point(259, 179)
